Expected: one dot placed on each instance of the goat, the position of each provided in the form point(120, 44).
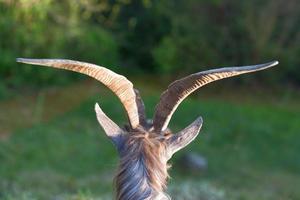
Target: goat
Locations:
point(145, 147)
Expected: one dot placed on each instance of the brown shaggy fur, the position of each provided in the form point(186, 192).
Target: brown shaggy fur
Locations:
point(143, 166)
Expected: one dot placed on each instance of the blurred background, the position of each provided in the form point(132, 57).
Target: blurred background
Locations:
point(51, 146)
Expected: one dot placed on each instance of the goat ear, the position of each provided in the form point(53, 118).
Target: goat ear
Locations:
point(111, 129)
point(184, 137)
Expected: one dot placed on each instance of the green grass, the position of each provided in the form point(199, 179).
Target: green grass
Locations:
point(252, 152)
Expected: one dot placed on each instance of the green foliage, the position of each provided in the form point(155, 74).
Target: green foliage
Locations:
point(141, 26)
point(165, 56)
point(150, 35)
point(49, 29)
point(218, 33)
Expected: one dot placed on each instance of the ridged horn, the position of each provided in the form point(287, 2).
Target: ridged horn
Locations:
point(180, 89)
point(122, 87)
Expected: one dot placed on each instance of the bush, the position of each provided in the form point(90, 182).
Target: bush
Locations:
point(37, 31)
point(154, 36)
point(230, 33)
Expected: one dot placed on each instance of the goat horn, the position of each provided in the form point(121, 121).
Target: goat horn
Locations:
point(122, 87)
point(180, 89)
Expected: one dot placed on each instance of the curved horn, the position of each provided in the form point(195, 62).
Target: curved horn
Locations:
point(122, 87)
point(180, 89)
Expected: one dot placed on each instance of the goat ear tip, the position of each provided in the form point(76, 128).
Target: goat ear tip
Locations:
point(97, 107)
point(198, 123)
point(199, 120)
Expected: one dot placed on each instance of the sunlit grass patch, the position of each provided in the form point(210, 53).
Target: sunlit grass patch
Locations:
point(251, 149)
point(191, 190)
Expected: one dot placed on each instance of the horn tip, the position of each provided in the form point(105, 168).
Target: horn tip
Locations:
point(273, 63)
point(200, 119)
point(27, 61)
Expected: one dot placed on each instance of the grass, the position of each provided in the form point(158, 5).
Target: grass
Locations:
point(252, 152)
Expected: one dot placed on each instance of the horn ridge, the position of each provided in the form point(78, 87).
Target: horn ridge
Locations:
point(120, 85)
point(180, 89)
